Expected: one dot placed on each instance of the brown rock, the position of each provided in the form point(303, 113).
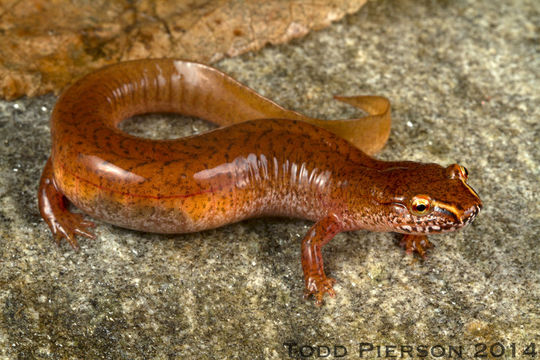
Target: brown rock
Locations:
point(48, 44)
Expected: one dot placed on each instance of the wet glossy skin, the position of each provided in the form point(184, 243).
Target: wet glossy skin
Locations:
point(283, 164)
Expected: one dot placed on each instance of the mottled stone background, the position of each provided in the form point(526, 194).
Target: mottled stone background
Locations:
point(463, 80)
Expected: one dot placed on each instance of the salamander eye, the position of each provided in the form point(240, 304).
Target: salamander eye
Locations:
point(457, 171)
point(421, 205)
point(464, 172)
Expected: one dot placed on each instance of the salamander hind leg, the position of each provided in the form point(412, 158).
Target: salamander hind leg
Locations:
point(316, 281)
point(416, 243)
point(53, 208)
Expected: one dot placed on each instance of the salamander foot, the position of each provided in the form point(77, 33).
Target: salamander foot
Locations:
point(68, 226)
point(53, 208)
point(318, 286)
point(416, 243)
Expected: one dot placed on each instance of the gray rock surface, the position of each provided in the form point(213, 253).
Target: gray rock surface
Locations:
point(463, 78)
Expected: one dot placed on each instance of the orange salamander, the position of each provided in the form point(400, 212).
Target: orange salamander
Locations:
point(264, 161)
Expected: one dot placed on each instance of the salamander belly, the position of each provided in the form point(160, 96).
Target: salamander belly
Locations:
point(186, 210)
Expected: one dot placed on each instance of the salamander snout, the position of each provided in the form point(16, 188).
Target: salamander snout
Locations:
point(469, 214)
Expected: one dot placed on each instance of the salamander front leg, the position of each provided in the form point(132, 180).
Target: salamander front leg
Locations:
point(416, 243)
point(312, 263)
point(53, 208)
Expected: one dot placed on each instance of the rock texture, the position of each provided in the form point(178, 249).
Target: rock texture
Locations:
point(463, 80)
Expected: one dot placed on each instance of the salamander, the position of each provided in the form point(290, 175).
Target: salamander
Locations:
point(264, 161)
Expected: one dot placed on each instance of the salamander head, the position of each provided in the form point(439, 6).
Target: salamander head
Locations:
point(427, 198)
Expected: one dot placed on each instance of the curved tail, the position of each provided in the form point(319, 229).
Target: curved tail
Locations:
point(189, 88)
point(368, 133)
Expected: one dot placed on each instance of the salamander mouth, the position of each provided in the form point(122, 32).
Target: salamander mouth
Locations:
point(470, 215)
point(449, 222)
